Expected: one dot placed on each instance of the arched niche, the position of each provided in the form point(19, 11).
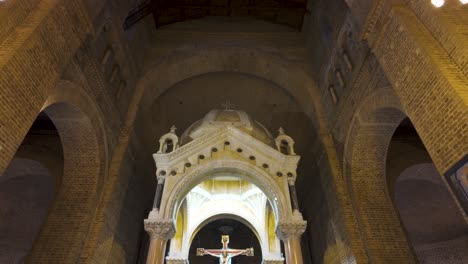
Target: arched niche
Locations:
point(241, 237)
point(237, 218)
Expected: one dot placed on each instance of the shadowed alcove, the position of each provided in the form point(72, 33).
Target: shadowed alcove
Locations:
point(28, 188)
point(429, 214)
point(240, 237)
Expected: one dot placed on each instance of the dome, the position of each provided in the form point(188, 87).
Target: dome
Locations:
point(222, 118)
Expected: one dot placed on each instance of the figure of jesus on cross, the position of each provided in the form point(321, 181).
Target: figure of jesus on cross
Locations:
point(225, 254)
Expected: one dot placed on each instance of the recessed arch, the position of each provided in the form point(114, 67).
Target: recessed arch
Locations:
point(81, 130)
point(232, 217)
point(429, 214)
point(371, 167)
point(364, 161)
point(241, 237)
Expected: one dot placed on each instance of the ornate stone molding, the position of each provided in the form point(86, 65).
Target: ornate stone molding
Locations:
point(270, 187)
point(176, 160)
point(290, 229)
point(163, 229)
point(170, 260)
point(273, 261)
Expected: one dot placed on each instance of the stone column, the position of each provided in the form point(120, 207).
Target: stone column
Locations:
point(158, 194)
point(290, 233)
point(160, 231)
point(293, 194)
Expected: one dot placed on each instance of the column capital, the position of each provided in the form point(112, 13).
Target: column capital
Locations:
point(163, 229)
point(290, 229)
point(161, 179)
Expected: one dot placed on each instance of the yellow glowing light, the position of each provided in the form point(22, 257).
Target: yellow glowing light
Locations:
point(439, 3)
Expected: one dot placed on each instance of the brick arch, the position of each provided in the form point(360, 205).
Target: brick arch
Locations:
point(65, 234)
point(364, 166)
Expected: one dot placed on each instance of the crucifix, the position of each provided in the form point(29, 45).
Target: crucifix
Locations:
point(225, 254)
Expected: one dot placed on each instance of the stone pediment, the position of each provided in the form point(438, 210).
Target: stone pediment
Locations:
point(236, 143)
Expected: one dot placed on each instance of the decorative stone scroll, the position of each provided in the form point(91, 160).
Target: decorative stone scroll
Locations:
point(163, 229)
point(290, 229)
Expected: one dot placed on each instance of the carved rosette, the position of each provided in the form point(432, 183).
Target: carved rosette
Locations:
point(163, 229)
point(290, 229)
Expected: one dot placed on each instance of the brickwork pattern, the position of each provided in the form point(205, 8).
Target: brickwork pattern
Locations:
point(448, 26)
point(384, 237)
point(32, 58)
point(422, 53)
point(67, 225)
point(432, 88)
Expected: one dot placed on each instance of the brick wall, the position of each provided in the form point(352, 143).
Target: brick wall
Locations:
point(429, 83)
point(32, 58)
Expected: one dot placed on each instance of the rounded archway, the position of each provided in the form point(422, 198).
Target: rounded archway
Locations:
point(28, 188)
point(432, 220)
point(241, 236)
point(381, 145)
point(364, 168)
point(63, 145)
point(70, 216)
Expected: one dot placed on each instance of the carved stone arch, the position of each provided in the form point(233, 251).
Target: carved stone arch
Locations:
point(79, 124)
point(168, 142)
point(241, 169)
point(364, 164)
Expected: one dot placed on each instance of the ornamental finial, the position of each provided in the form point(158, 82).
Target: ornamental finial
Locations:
point(281, 131)
point(173, 129)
